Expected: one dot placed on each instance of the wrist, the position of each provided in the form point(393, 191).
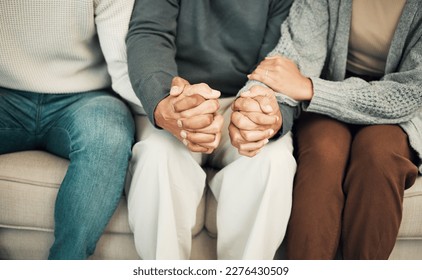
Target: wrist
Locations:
point(158, 116)
point(308, 89)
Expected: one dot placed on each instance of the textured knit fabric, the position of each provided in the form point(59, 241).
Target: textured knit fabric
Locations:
point(372, 29)
point(316, 36)
point(50, 46)
point(217, 42)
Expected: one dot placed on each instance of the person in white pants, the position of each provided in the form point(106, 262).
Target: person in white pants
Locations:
point(254, 195)
point(187, 61)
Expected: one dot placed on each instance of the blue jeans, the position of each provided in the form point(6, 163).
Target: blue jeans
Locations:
point(95, 131)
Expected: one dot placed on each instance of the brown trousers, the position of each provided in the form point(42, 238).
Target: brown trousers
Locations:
point(348, 191)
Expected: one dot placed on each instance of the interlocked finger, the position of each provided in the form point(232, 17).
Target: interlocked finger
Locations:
point(194, 147)
point(246, 105)
point(256, 135)
point(202, 89)
point(242, 122)
point(261, 118)
point(207, 107)
point(214, 144)
point(198, 138)
point(188, 102)
point(215, 127)
point(196, 122)
point(252, 146)
point(235, 137)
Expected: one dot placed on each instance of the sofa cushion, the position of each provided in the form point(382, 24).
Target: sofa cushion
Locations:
point(29, 182)
point(28, 186)
point(411, 226)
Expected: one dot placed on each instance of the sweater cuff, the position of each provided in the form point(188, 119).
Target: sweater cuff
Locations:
point(287, 115)
point(328, 98)
point(152, 90)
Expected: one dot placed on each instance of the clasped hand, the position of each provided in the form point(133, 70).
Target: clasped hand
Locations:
point(255, 119)
point(190, 114)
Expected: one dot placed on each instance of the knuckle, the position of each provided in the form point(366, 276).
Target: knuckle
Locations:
point(234, 117)
point(214, 105)
point(208, 120)
point(249, 137)
point(214, 145)
point(237, 104)
point(240, 122)
point(260, 119)
point(203, 87)
point(237, 137)
point(246, 135)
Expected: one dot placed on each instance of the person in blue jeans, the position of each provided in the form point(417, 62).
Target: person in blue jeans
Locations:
point(61, 64)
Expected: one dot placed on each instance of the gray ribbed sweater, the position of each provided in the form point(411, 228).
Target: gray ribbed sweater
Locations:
point(316, 37)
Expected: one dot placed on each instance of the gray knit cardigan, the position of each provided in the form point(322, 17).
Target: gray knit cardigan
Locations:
point(316, 35)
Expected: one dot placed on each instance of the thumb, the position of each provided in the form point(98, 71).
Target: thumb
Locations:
point(177, 85)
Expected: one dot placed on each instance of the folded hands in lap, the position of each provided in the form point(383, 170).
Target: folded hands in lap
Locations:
point(190, 113)
point(255, 119)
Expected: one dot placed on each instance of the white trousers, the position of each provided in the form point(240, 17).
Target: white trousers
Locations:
point(254, 195)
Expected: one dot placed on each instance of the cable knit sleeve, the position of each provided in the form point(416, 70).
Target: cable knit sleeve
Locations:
point(304, 36)
point(303, 40)
point(112, 20)
point(396, 98)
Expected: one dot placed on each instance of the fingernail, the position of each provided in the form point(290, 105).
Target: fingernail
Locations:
point(183, 134)
point(179, 123)
point(185, 142)
point(266, 141)
point(270, 132)
point(174, 90)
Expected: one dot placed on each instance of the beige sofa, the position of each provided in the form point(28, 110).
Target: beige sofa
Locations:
point(28, 186)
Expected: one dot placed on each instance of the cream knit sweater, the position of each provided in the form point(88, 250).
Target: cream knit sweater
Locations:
point(51, 46)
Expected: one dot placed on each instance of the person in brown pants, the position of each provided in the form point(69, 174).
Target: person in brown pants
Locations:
point(348, 189)
point(353, 72)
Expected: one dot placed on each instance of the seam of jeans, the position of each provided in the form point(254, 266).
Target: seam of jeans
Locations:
point(38, 114)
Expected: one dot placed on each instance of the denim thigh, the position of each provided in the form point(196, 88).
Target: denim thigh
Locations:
point(18, 114)
point(52, 121)
point(91, 120)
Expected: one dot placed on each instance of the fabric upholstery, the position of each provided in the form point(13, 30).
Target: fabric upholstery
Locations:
point(28, 186)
